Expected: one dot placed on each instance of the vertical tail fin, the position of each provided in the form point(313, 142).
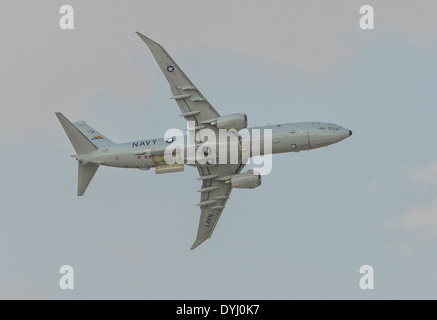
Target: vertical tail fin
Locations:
point(79, 141)
point(86, 174)
point(98, 139)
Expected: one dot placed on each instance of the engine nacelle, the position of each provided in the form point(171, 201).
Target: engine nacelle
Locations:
point(246, 180)
point(235, 121)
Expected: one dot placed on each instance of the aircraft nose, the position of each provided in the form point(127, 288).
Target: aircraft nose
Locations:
point(350, 133)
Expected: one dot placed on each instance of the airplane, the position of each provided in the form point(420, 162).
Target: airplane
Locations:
point(93, 149)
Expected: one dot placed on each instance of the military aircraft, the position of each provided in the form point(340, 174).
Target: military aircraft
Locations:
point(93, 149)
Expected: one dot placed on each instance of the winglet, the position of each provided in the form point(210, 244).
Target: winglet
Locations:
point(162, 58)
point(198, 243)
point(147, 40)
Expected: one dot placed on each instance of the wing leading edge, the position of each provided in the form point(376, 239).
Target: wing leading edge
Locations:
point(215, 193)
point(215, 190)
point(191, 102)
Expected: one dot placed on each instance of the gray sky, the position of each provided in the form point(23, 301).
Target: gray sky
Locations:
point(316, 219)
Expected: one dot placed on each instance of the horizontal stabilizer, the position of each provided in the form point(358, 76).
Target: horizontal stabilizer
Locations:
point(79, 141)
point(86, 174)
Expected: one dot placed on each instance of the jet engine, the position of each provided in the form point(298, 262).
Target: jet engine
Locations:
point(235, 121)
point(246, 180)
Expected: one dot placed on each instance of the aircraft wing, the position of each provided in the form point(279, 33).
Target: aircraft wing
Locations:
point(191, 102)
point(215, 193)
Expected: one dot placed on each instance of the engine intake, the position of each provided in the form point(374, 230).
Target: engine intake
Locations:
point(235, 121)
point(246, 180)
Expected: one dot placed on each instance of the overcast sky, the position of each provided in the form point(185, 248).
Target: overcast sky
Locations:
point(315, 220)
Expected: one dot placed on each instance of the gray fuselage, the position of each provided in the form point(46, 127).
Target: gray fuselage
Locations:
point(290, 137)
